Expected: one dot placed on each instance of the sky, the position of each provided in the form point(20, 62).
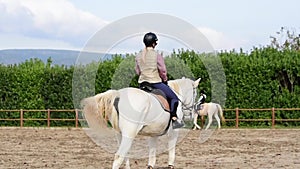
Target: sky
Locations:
point(70, 24)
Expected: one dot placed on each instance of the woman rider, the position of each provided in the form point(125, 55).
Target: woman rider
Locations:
point(151, 68)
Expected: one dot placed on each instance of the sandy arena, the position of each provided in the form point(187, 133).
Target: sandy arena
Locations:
point(227, 148)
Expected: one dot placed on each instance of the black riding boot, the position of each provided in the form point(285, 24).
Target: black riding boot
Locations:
point(173, 112)
point(175, 123)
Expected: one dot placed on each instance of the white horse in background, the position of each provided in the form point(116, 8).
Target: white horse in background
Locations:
point(139, 113)
point(210, 110)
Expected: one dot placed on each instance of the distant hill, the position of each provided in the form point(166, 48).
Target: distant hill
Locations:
point(59, 57)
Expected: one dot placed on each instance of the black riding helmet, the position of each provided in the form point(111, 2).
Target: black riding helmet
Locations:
point(149, 39)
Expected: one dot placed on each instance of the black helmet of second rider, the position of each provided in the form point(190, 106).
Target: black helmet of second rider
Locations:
point(202, 91)
point(150, 39)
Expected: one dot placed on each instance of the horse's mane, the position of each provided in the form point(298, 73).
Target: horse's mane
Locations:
point(175, 84)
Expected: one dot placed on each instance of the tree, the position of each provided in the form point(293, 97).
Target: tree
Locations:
point(286, 38)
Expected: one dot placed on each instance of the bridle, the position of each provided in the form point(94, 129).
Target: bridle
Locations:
point(188, 106)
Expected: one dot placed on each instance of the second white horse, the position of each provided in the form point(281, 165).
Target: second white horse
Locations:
point(210, 110)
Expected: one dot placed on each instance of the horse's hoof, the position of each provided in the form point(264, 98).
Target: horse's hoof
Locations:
point(149, 167)
point(171, 167)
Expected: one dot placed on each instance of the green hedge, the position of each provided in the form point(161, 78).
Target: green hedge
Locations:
point(263, 78)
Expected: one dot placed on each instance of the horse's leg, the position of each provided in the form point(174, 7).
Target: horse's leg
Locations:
point(218, 119)
point(209, 115)
point(173, 135)
point(119, 138)
point(152, 151)
point(124, 147)
point(127, 163)
point(195, 122)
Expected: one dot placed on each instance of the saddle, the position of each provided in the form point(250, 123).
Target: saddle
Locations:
point(158, 94)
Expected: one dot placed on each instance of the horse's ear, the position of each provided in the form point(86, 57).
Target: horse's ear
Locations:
point(196, 83)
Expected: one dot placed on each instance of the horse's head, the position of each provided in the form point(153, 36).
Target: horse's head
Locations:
point(186, 89)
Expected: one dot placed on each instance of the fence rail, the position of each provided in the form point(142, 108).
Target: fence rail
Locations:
point(76, 120)
point(272, 115)
point(48, 118)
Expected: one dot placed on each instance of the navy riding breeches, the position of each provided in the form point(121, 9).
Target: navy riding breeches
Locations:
point(171, 96)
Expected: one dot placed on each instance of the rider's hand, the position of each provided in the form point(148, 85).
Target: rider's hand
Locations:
point(165, 82)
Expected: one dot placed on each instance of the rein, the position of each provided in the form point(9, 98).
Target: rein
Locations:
point(187, 107)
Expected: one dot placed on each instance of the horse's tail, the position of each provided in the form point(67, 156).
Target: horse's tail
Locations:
point(99, 109)
point(221, 113)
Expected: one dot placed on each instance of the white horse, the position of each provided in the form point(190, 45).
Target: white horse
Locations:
point(209, 109)
point(139, 113)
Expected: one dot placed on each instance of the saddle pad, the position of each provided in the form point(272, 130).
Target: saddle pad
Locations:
point(164, 103)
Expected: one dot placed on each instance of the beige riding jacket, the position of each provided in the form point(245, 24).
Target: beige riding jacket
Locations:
point(150, 66)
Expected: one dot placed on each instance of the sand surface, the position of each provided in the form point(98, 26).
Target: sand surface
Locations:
point(226, 148)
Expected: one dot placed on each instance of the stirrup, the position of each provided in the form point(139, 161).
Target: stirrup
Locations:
point(176, 124)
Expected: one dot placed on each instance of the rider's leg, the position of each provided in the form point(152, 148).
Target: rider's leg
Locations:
point(171, 96)
point(173, 102)
point(173, 108)
point(175, 122)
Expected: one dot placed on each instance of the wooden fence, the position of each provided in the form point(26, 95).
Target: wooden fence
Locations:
point(76, 120)
point(272, 119)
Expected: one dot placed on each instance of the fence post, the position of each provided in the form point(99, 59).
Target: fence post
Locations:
point(21, 118)
point(237, 117)
point(48, 118)
point(273, 117)
point(76, 118)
